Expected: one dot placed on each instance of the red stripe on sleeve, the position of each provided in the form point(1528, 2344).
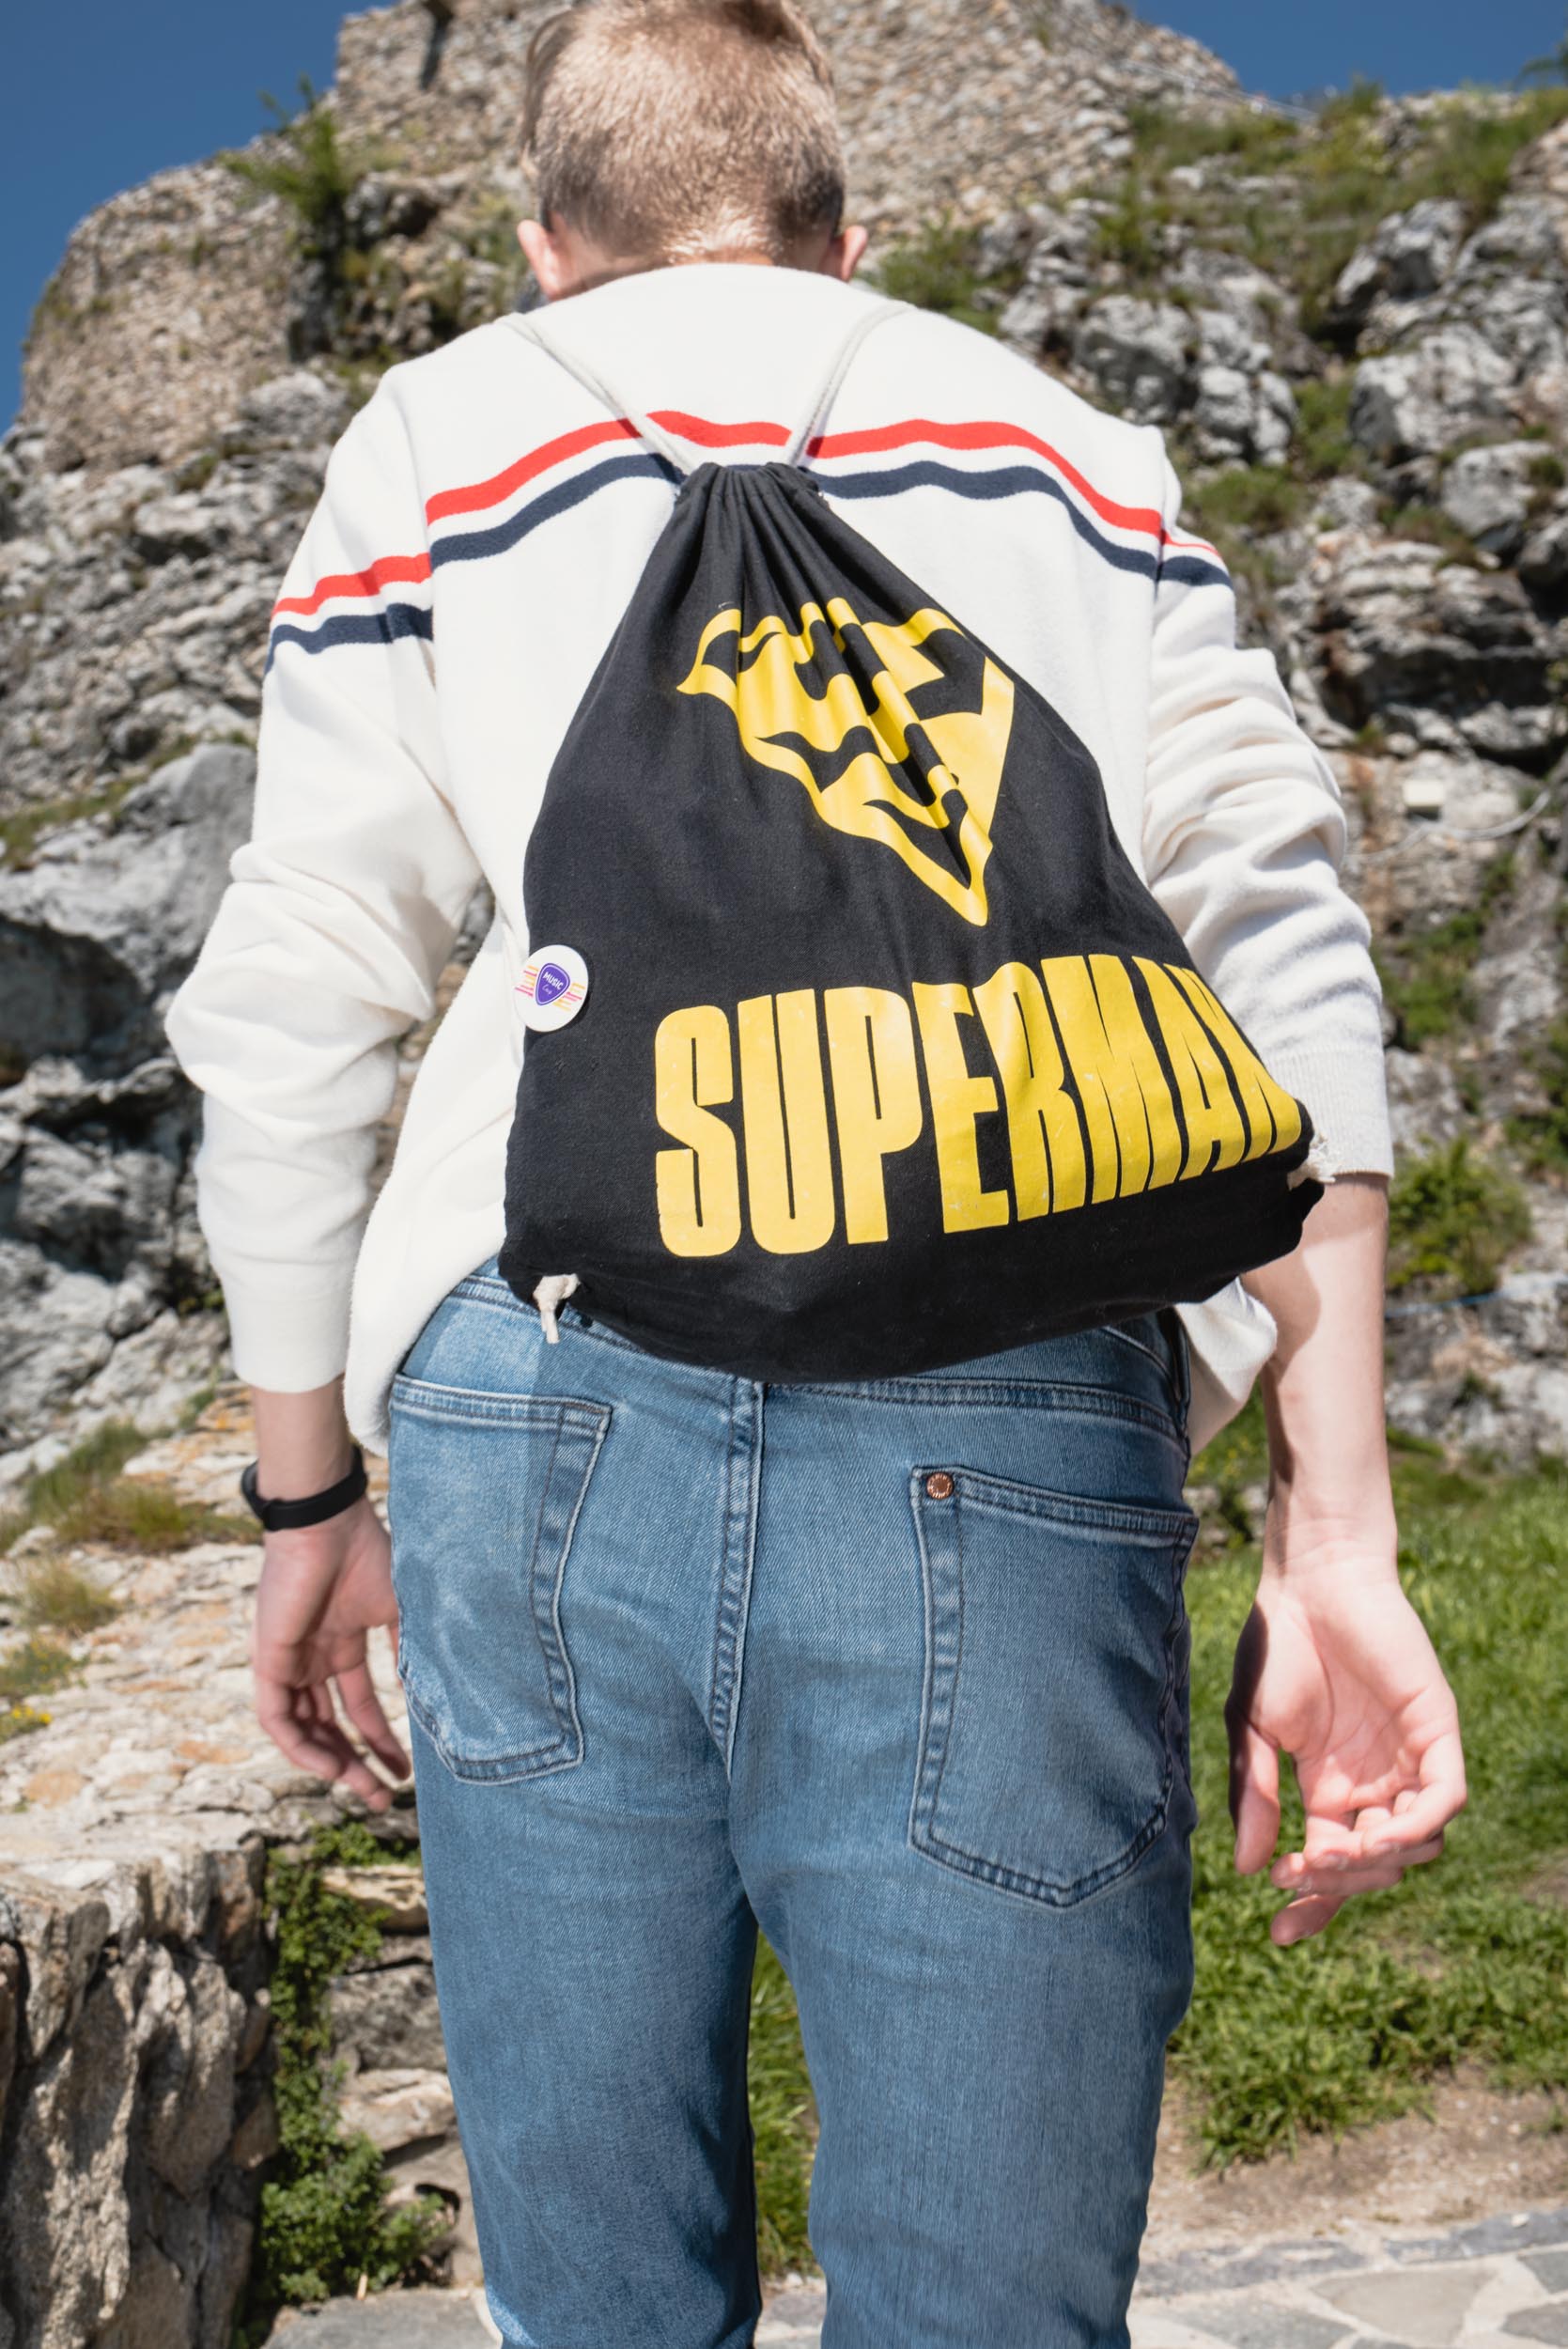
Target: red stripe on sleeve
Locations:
point(475, 495)
point(386, 571)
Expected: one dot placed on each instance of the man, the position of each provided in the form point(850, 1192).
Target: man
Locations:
point(684, 1652)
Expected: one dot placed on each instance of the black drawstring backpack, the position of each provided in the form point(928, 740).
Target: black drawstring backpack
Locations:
point(856, 1046)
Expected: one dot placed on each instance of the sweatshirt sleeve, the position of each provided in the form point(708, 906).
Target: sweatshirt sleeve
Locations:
point(1244, 834)
point(339, 914)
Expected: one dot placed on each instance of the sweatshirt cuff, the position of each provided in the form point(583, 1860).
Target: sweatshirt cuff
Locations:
point(1344, 1088)
point(288, 1342)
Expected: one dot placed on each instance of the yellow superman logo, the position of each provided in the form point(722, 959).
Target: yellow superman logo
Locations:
point(925, 785)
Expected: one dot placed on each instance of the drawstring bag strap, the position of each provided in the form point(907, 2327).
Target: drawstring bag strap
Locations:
point(817, 415)
point(529, 324)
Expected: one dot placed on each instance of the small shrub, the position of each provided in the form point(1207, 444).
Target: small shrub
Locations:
point(937, 271)
point(1453, 1219)
point(1471, 148)
point(1426, 980)
point(1128, 234)
point(1542, 1134)
point(55, 1597)
point(21, 832)
point(83, 1499)
point(1253, 142)
point(17, 1720)
point(1259, 498)
point(1427, 525)
point(1324, 450)
point(324, 2215)
point(38, 1664)
point(310, 170)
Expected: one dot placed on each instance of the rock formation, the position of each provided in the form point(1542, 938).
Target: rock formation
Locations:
point(1353, 328)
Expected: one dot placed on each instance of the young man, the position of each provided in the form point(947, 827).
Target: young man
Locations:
point(684, 1652)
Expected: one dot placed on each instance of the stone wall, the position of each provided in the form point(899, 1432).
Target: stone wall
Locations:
point(136, 2112)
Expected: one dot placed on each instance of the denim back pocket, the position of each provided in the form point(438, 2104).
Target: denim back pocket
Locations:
point(1053, 1721)
point(484, 1495)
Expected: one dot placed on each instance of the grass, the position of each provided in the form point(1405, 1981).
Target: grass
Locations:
point(1453, 1220)
point(36, 1665)
point(21, 832)
point(938, 269)
point(1330, 181)
point(55, 1596)
point(1542, 1135)
point(1460, 1963)
point(1426, 978)
point(783, 2118)
point(83, 1498)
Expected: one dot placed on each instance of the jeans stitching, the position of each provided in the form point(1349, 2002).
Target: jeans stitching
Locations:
point(1062, 1396)
point(563, 1750)
point(937, 1709)
point(735, 1589)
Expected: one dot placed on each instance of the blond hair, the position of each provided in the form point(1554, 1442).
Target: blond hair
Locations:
point(682, 129)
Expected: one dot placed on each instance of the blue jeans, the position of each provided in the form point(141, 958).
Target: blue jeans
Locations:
point(897, 1671)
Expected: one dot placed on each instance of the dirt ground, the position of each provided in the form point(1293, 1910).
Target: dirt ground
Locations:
point(1474, 2155)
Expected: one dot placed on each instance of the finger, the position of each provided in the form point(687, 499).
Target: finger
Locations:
point(357, 1694)
point(1254, 1796)
point(1343, 1884)
point(353, 1770)
point(1440, 1797)
point(331, 1741)
point(297, 1736)
point(1294, 1873)
point(1302, 1918)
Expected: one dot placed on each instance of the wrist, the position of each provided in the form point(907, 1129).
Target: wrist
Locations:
point(1307, 1533)
point(303, 1443)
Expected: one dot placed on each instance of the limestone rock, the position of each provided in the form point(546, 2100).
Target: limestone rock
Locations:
point(1136, 354)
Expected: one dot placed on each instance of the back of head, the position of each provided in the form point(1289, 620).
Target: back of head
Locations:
point(684, 130)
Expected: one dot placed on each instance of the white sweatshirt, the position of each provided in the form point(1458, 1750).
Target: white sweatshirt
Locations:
point(480, 530)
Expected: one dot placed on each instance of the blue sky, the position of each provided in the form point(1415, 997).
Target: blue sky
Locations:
point(103, 93)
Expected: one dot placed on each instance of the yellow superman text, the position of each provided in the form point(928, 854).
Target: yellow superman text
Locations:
point(1089, 1098)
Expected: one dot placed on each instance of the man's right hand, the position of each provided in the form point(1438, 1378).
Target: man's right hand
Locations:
point(323, 1589)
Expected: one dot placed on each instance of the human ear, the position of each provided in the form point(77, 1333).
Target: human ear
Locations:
point(545, 257)
point(845, 253)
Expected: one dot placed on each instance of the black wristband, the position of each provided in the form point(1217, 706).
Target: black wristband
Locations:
point(280, 1517)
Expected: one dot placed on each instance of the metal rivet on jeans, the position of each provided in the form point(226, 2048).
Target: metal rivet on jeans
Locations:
point(938, 1486)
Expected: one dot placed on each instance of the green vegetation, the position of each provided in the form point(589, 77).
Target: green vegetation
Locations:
point(1426, 978)
point(1461, 1962)
point(84, 1497)
point(325, 2217)
point(18, 1719)
point(55, 1596)
point(938, 269)
point(1297, 200)
point(36, 1665)
point(1542, 1134)
point(1324, 450)
point(311, 170)
point(1453, 1219)
point(21, 832)
point(783, 2118)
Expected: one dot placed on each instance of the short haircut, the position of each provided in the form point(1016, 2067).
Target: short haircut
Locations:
point(681, 130)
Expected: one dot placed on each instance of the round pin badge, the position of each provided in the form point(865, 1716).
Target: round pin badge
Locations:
point(553, 987)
